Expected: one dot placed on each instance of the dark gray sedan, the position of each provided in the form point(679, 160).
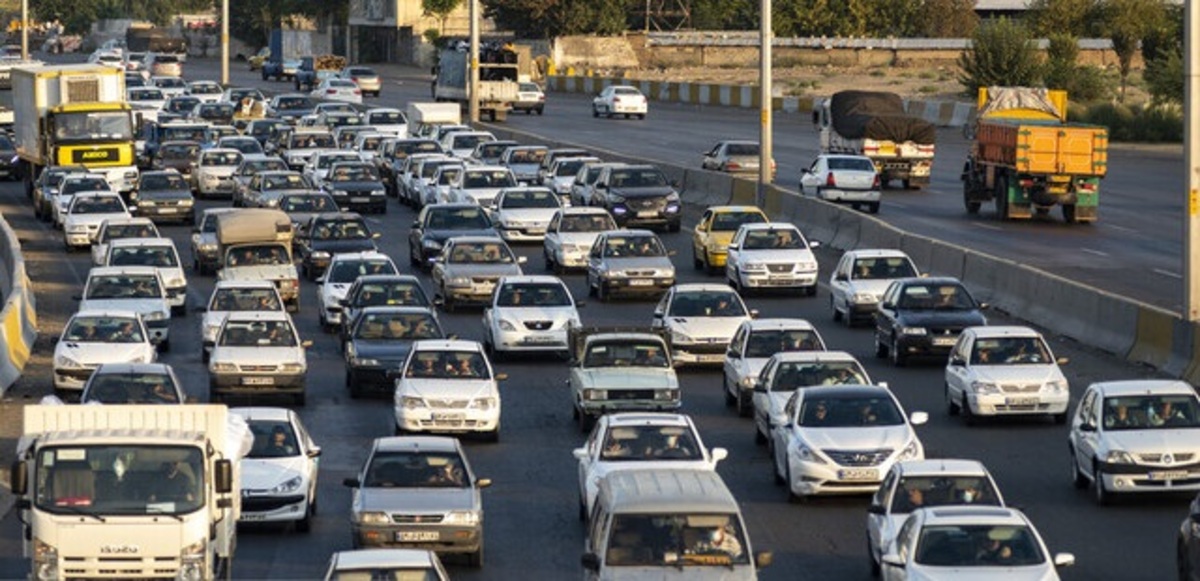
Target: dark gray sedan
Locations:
point(379, 343)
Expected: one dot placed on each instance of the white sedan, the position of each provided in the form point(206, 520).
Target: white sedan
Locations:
point(620, 100)
point(1001, 371)
point(529, 313)
point(771, 255)
point(860, 279)
point(699, 320)
point(754, 343)
point(213, 173)
point(523, 214)
point(93, 337)
point(849, 179)
point(481, 184)
point(571, 234)
point(842, 440)
point(335, 89)
point(279, 475)
point(82, 220)
point(447, 386)
point(636, 441)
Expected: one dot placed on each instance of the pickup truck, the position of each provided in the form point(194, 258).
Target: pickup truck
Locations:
point(256, 244)
point(620, 369)
point(314, 69)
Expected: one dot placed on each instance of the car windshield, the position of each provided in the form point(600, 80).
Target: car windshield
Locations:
point(430, 168)
point(850, 411)
point(533, 295)
point(633, 247)
point(125, 388)
point(517, 200)
point(733, 149)
point(636, 443)
point(468, 141)
point(293, 103)
point(676, 540)
point(342, 84)
point(457, 219)
point(526, 156)
point(448, 365)
point(124, 286)
point(291, 181)
point(771, 239)
point(160, 256)
point(117, 231)
point(882, 268)
point(935, 296)
point(493, 149)
point(245, 299)
point(252, 167)
point(369, 143)
point(359, 172)
point(978, 546)
point(418, 146)
point(257, 334)
point(311, 141)
point(225, 158)
point(245, 146)
point(626, 353)
point(626, 91)
point(191, 133)
point(341, 230)
point(795, 375)
point(273, 439)
point(638, 178)
point(346, 271)
point(569, 167)
point(104, 330)
point(586, 223)
point(182, 104)
point(706, 304)
point(1151, 412)
point(851, 163)
point(214, 134)
point(480, 253)
point(488, 179)
point(259, 255)
point(71, 186)
point(416, 469)
point(327, 161)
point(307, 204)
point(1010, 351)
point(204, 89)
point(385, 118)
point(766, 343)
point(384, 326)
point(731, 221)
point(216, 110)
point(161, 182)
point(913, 492)
point(529, 87)
point(399, 293)
point(97, 205)
point(447, 175)
point(146, 95)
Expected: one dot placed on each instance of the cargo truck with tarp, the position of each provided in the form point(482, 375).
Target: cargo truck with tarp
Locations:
point(876, 125)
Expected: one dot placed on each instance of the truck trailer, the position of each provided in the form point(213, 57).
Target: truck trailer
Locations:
point(875, 125)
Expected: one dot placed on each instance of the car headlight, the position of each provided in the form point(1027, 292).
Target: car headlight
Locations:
point(1119, 457)
point(187, 202)
point(364, 362)
point(913, 331)
point(865, 298)
point(483, 403)
point(289, 485)
point(595, 394)
point(748, 382)
point(210, 331)
point(412, 403)
point(506, 326)
point(458, 281)
point(808, 265)
point(666, 394)
point(208, 247)
point(292, 367)
point(1058, 386)
point(985, 387)
point(680, 337)
point(218, 367)
point(77, 228)
point(156, 316)
point(372, 518)
point(66, 362)
point(910, 452)
point(807, 454)
point(45, 561)
point(616, 199)
point(461, 518)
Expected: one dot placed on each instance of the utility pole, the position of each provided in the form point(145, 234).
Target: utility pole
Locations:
point(224, 43)
point(473, 89)
point(1191, 139)
point(765, 102)
point(25, 30)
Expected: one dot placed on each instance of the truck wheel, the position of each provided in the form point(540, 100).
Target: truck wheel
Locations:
point(595, 111)
point(873, 207)
point(1068, 212)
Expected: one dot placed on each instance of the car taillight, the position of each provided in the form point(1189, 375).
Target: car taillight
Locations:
point(829, 181)
point(875, 184)
point(731, 165)
point(330, 91)
point(357, 92)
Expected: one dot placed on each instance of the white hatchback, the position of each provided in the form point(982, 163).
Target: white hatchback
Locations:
point(529, 313)
point(787, 372)
point(130, 288)
point(1000, 371)
point(753, 345)
point(159, 253)
point(343, 270)
point(93, 337)
point(279, 475)
point(771, 255)
point(448, 386)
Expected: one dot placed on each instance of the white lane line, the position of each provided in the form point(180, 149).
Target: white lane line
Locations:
point(1167, 273)
point(895, 205)
point(988, 226)
point(1123, 229)
point(1095, 252)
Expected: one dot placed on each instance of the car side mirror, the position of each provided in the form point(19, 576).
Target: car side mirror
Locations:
point(344, 302)
point(892, 559)
point(763, 559)
point(956, 362)
point(320, 279)
point(719, 454)
point(659, 314)
point(753, 313)
point(1062, 360)
point(733, 247)
point(483, 482)
point(759, 386)
point(351, 483)
point(814, 243)
point(1064, 559)
point(306, 343)
point(375, 235)
point(501, 376)
point(983, 306)
point(416, 224)
point(522, 260)
point(919, 418)
point(590, 561)
point(314, 452)
point(804, 172)
point(887, 306)
point(876, 509)
point(840, 277)
point(580, 453)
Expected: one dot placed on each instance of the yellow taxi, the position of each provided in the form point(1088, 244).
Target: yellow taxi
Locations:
point(710, 239)
point(256, 61)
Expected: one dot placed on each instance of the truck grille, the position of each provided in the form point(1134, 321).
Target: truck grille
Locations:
point(858, 457)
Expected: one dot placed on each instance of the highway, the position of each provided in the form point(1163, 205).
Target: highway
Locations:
point(531, 527)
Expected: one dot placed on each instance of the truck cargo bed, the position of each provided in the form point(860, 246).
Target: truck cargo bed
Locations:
point(1048, 147)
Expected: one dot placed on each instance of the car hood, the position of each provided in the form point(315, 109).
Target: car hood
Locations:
point(873, 287)
point(951, 318)
point(524, 169)
point(414, 500)
point(1016, 373)
point(539, 215)
point(783, 255)
point(363, 186)
point(650, 192)
point(858, 438)
point(1155, 441)
point(92, 219)
point(267, 473)
point(140, 306)
point(578, 238)
point(630, 377)
point(346, 245)
point(390, 351)
point(640, 262)
point(1042, 572)
point(716, 329)
point(96, 353)
point(216, 170)
point(261, 272)
point(448, 388)
point(452, 270)
point(535, 313)
point(443, 235)
point(258, 354)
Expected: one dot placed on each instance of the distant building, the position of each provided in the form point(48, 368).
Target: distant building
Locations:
point(393, 30)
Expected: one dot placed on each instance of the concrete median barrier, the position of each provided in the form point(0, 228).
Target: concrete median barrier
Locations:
point(18, 318)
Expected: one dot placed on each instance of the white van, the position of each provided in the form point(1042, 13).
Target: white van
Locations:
point(667, 524)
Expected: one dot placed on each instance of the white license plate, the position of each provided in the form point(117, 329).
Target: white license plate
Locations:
point(417, 536)
point(251, 517)
point(647, 214)
point(540, 339)
point(641, 282)
point(448, 417)
point(778, 277)
point(858, 474)
point(258, 381)
point(1169, 475)
point(945, 341)
point(359, 200)
point(710, 357)
point(1021, 400)
point(167, 210)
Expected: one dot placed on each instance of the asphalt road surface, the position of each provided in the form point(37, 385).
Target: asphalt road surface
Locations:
point(531, 529)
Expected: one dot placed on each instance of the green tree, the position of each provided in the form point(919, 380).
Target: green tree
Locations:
point(888, 18)
point(1072, 17)
point(1164, 75)
point(1127, 22)
point(1001, 53)
point(948, 19)
point(440, 10)
point(551, 18)
point(1063, 71)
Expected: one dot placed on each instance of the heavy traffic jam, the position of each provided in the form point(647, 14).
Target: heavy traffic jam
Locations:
point(274, 201)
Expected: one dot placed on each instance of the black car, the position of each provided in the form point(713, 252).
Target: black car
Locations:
point(176, 155)
point(178, 108)
point(164, 195)
point(638, 196)
point(379, 343)
point(302, 206)
point(215, 113)
point(291, 107)
point(260, 129)
point(378, 290)
point(9, 168)
point(327, 234)
point(923, 317)
point(356, 187)
point(437, 223)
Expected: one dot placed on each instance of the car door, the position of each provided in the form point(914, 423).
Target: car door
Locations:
point(551, 241)
point(781, 434)
point(762, 397)
point(885, 314)
point(879, 509)
point(596, 260)
point(592, 455)
point(1085, 441)
point(839, 284)
point(733, 251)
point(734, 364)
point(958, 368)
point(700, 234)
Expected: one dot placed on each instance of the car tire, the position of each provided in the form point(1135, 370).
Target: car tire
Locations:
point(730, 395)
point(736, 282)
point(873, 207)
point(352, 387)
point(836, 314)
point(493, 436)
point(759, 437)
point(811, 291)
point(792, 497)
point(1059, 419)
point(898, 358)
point(875, 568)
point(304, 525)
point(778, 478)
point(952, 407)
point(540, 111)
point(583, 512)
point(413, 260)
point(968, 416)
point(1078, 480)
point(881, 350)
point(744, 408)
point(1101, 495)
point(602, 293)
point(595, 111)
point(697, 263)
point(475, 560)
point(165, 346)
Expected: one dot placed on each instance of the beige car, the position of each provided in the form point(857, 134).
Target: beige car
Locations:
point(368, 80)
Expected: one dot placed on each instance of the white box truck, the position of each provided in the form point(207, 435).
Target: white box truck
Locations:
point(423, 118)
point(129, 491)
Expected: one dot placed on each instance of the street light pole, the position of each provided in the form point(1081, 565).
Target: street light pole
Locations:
point(1191, 222)
point(25, 30)
point(473, 90)
point(765, 103)
point(224, 43)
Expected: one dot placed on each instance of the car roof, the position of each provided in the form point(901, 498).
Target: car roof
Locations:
point(987, 332)
point(122, 242)
point(89, 313)
point(531, 278)
point(133, 368)
point(877, 253)
point(941, 467)
point(845, 156)
point(1145, 387)
point(691, 287)
point(409, 309)
point(247, 284)
point(117, 270)
point(992, 515)
point(414, 443)
point(813, 357)
point(383, 278)
point(382, 558)
point(471, 239)
point(130, 221)
point(583, 211)
point(629, 232)
point(779, 324)
point(258, 316)
point(844, 391)
point(771, 226)
point(364, 255)
point(446, 345)
point(664, 490)
point(647, 419)
point(930, 280)
point(222, 149)
point(723, 209)
point(263, 413)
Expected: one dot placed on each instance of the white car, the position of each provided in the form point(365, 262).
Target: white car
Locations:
point(319, 164)
point(206, 91)
point(408, 176)
point(159, 253)
point(93, 337)
point(1137, 436)
point(860, 279)
point(963, 542)
point(529, 313)
point(460, 144)
point(76, 183)
point(422, 564)
point(842, 440)
point(448, 386)
point(130, 288)
point(170, 86)
point(571, 234)
point(585, 178)
point(279, 475)
point(772, 255)
point(146, 101)
point(481, 184)
point(524, 161)
point(420, 172)
point(436, 189)
point(753, 345)
point(343, 270)
point(82, 220)
point(561, 176)
point(785, 373)
point(523, 214)
point(922, 484)
point(637, 441)
point(118, 228)
point(367, 143)
point(112, 58)
point(620, 100)
point(334, 89)
point(231, 296)
point(387, 120)
point(213, 174)
point(1001, 371)
point(258, 353)
point(699, 320)
point(849, 179)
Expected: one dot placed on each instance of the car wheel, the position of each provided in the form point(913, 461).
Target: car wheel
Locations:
point(583, 512)
point(476, 559)
point(602, 292)
point(873, 207)
point(873, 562)
point(641, 116)
point(352, 387)
point(736, 282)
point(898, 358)
point(448, 304)
point(745, 408)
point(779, 479)
point(540, 111)
point(837, 315)
point(730, 395)
point(1102, 496)
point(952, 407)
point(1078, 480)
point(697, 263)
point(791, 494)
point(304, 525)
point(881, 350)
point(759, 437)
point(412, 256)
point(969, 417)
point(811, 291)
point(165, 346)
point(1182, 562)
point(595, 111)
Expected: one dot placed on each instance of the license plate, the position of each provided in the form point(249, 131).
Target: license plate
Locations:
point(167, 210)
point(1169, 475)
point(710, 357)
point(945, 341)
point(780, 277)
point(359, 200)
point(641, 282)
point(258, 380)
point(446, 417)
point(858, 474)
point(1021, 400)
point(648, 214)
point(540, 339)
point(251, 517)
point(416, 536)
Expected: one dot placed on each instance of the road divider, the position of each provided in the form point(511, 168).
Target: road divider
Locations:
point(18, 318)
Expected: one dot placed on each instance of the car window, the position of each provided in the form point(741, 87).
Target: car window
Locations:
point(97, 205)
point(346, 271)
point(448, 365)
point(1010, 351)
point(273, 439)
point(125, 388)
point(480, 253)
point(587, 223)
point(773, 238)
point(625, 354)
point(851, 163)
point(533, 295)
point(794, 375)
point(767, 342)
point(869, 268)
point(516, 200)
point(156, 256)
point(385, 326)
point(649, 443)
point(401, 293)
point(457, 219)
point(850, 411)
point(1150, 411)
point(731, 221)
point(633, 247)
point(915, 492)
point(706, 304)
point(978, 546)
point(124, 286)
point(418, 469)
point(935, 296)
point(637, 178)
point(104, 330)
point(244, 299)
point(257, 334)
